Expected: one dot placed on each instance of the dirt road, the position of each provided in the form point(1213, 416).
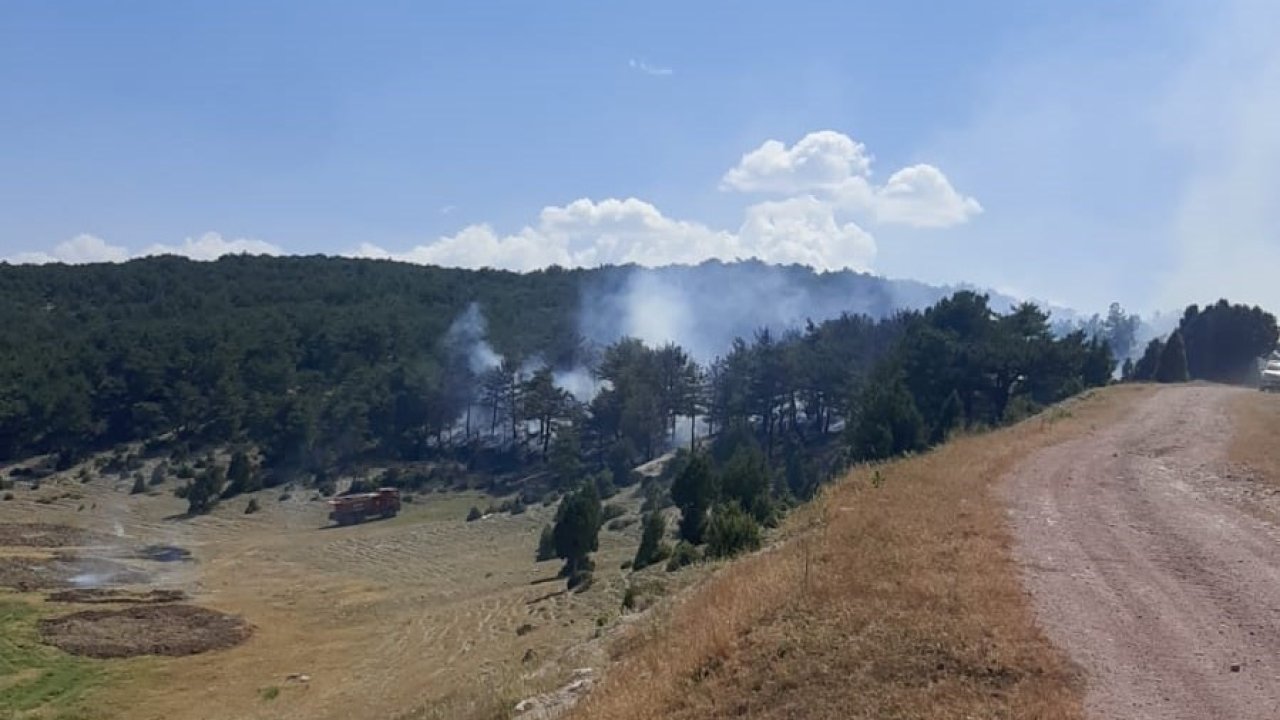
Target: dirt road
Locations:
point(1162, 589)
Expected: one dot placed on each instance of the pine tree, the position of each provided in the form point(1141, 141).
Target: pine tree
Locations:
point(1173, 361)
point(577, 529)
point(655, 527)
point(1145, 369)
point(693, 491)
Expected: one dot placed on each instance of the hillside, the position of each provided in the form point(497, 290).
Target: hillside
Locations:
point(95, 355)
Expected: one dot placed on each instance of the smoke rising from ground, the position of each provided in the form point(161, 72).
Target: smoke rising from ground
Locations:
point(467, 338)
point(704, 307)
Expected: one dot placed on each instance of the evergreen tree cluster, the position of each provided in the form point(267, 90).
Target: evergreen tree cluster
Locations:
point(1220, 343)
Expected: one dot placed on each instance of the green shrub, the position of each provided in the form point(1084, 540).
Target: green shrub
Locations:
point(139, 485)
point(252, 507)
point(683, 554)
point(629, 598)
point(655, 527)
point(474, 514)
point(8, 496)
point(732, 531)
point(546, 544)
point(605, 485)
point(611, 511)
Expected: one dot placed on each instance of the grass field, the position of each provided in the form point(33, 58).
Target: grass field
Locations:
point(37, 678)
point(894, 595)
point(421, 616)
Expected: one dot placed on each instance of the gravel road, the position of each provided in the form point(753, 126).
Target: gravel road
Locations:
point(1164, 592)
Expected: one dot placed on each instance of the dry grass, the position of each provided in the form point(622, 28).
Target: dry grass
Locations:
point(913, 605)
point(1256, 417)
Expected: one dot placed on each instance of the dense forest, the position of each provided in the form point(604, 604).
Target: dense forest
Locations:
point(316, 359)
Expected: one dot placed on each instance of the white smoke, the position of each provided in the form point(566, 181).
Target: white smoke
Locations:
point(468, 337)
point(579, 382)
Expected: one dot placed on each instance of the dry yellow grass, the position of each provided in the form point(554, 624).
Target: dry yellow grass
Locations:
point(1256, 420)
point(913, 606)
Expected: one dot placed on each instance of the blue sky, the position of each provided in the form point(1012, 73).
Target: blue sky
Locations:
point(1077, 152)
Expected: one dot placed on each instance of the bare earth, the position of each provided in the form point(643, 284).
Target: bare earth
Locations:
point(1147, 570)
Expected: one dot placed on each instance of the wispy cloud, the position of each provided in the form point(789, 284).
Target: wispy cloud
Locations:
point(648, 69)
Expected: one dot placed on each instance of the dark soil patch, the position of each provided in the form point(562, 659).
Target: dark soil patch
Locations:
point(65, 571)
point(95, 596)
point(49, 535)
point(172, 630)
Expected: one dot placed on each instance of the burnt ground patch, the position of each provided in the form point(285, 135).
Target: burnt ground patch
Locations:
point(172, 630)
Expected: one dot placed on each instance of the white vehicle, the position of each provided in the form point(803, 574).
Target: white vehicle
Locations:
point(1270, 381)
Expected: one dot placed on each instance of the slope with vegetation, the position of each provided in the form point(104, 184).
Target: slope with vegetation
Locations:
point(303, 368)
point(892, 594)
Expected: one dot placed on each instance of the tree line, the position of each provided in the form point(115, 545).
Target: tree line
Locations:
point(1218, 343)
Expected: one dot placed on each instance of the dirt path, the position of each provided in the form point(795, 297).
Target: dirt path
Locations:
point(1162, 591)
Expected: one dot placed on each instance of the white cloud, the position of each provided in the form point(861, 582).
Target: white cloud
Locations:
point(837, 168)
point(823, 160)
point(586, 233)
point(86, 248)
point(211, 246)
point(804, 230)
point(648, 69)
point(825, 175)
point(921, 196)
point(83, 248)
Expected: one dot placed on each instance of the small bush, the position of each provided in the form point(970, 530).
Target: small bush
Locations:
point(252, 507)
point(474, 514)
point(546, 544)
point(517, 508)
point(626, 565)
point(407, 499)
point(270, 693)
point(139, 485)
point(663, 553)
point(613, 510)
point(284, 496)
point(182, 491)
point(629, 598)
point(6, 484)
point(684, 554)
point(185, 471)
point(605, 485)
point(523, 630)
point(8, 496)
point(732, 531)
